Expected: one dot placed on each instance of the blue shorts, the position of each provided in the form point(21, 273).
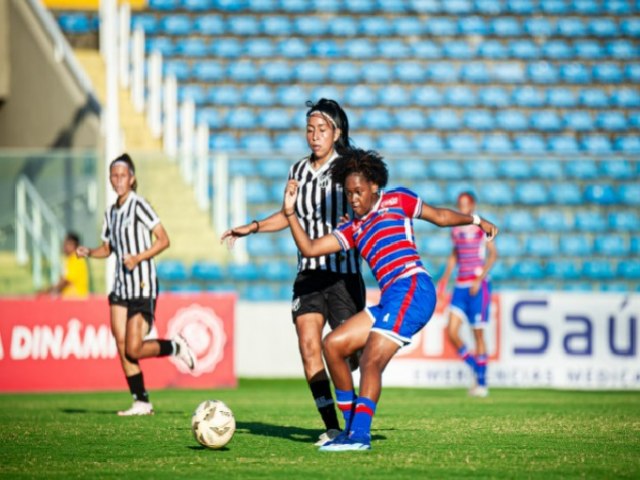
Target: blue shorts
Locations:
point(405, 307)
point(472, 308)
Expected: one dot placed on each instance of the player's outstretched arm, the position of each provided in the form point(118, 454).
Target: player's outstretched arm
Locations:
point(445, 217)
point(103, 251)
point(273, 223)
point(159, 245)
point(309, 248)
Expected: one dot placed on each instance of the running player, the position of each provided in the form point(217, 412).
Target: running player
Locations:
point(382, 230)
point(472, 293)
point(328, 288)
point(127, 231)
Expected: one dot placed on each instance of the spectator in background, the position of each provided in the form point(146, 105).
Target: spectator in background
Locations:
point(74, 281)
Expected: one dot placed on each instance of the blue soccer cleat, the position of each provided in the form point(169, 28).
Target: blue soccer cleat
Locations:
point(351, 443)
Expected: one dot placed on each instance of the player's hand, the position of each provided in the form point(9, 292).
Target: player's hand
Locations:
point(489, 228)
point(231, 235)
point(131, 262)
point(290, 196)
point(82, 252)
point(475, 287)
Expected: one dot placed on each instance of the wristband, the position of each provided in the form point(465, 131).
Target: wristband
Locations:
point(476, 219)
point(257, 225)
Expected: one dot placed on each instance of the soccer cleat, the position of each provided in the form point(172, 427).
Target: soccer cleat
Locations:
point(184, 352)
point(138, 408)
point(352, 443)
point(327, 437)
point(479, 392)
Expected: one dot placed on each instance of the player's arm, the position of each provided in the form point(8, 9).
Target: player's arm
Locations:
point(309, 248)
point(273, 223)
point(159, 245)
point(103, 251)
point(492, 256)
point(451, 264)
point(445, 217)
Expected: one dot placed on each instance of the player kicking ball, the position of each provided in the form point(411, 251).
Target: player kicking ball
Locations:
point(472, 292)
point(382, 231)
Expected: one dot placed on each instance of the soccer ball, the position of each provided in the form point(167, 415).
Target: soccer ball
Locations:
point(213, 424)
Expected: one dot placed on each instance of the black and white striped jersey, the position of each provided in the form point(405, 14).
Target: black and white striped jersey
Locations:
point(319, 207)
point(128, 230)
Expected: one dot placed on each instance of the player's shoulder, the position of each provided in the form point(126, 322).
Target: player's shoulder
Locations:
point(398, 194)
point(400, 191)
point(298, 166)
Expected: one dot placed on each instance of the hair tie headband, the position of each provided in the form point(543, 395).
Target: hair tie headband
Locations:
point(123, 163)
point(327, 117)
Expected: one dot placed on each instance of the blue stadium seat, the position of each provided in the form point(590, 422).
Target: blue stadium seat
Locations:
point(547, 169)
point(576, 245)
point(607, 73)
point(494, 97)
point(509, 245)
point(629, 194)
point(530, 143)
point(628, 144)
point(611, 121)
point(579, 120)
point(261, 246)
point(411, 119)
point(543, 72)
point(500, 272)
point(515, 169)
point(345, 73)
point(621, 50)
point(506, 27)
point(441, 27)
point(258, 193)
point(631, 27)
point(444, 119)
point(208, 71)
point(295, 6)
point(427, 97)
point(588, 50)
point(192, 47)
point(378, 119)
point(262, 6)
point(223, 142)
point(163, 5)
point(596, 144)
point(147, 22)
point(209, 25)
point(571, 27)
point(582, 169)
point(532, 193)
point(258, 95)
point(632, 72)
point(310, 72)
point(481, 120)
point(291, 143)
point(291, 95)
point(179, 69)
point(554, 221)
point(528, 97)
point(426, 49)
point(562, 270)
point(520, 221)
point(428, 143)
point(193, 92)
point(376, 26)
point(278, 271)
point(496, 143)
point(394, 96)
point(488, 7)
point(277, 72)
point(460, 96)
point(326, 49)
point(493, 50)
point(603, 27)
point(454, 189)
point(598, 270)
point(393, 50)
point(457, 7)
point(410, 72)
point(245, 273)
point(286, 245)
point(563, 144)
point(527, 270)
point(185, 288)
point(524, 50)
point(555, 7)
point(594, 98)
point(542, 245)
point(207, 271)
point(436, 245)
point(445, 170)
point(458, 50)
point(196, 5)
point(546, 120)
point(377, 72)
point(586, 7)
point(366, 142)
point(480, 169)
point(590, 221)
point(463, 143)
point(508, 73)
point(472, 25)
point(163, 45)
point(243, 71)
point(629, 270)
point(293, 48)
point(600, 194)
point(496, 193)
point(408, 26)
point(75, 23)
point(442, 72)
point(412, 169)
point(171, 270)
point(392, 6)
point(226, 48)
point(343, 26)
point(241, 167)
point(474, 72)
point(309, 26)
point(176, 24)
point(232, 6)
point(257, 143)
point(259, 48)
point(538, 27)
point(430, 192)
point(618, 169)
point(626, 98)
point(557, 50)
point(359, 6)
point(566, 193)
point(224, 95)
point(575, 73)
point(210, 116)
point(359, 48)
point(394, 143)
point(360, 96)
point(243, 25)
point(276, 119)
point(611, 245)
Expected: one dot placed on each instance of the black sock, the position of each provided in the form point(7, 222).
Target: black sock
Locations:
point(167, 348)
point(136, 387)
point(321, 391)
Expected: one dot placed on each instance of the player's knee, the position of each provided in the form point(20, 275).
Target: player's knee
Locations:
point(331, 345)
point(310, 348)
point(133, 352)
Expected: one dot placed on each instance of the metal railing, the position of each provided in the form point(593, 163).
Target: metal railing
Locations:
point(37, 227)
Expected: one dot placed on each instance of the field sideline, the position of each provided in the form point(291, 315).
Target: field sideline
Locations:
point(417, 434)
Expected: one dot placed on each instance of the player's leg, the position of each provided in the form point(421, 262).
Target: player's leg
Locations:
point(480, 306)
point(339, 346)
point(458, 308)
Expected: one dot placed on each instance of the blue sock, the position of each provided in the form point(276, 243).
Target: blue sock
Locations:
point(365, 409)
point(481, 370)
point(346, 400)
point(464, 354)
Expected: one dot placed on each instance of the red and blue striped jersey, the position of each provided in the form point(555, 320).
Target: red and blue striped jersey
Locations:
point(470, 244)
point(384, 236)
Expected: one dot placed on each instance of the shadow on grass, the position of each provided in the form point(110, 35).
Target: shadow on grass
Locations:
point(295, 434)
point(200, 447)
point(81, 411)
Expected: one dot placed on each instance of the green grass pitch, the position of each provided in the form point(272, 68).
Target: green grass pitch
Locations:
point(416, 434)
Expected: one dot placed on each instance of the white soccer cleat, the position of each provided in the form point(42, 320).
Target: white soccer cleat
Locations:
point(137, 409)
point(479, 392)
point(326, 437)
point(184, 352)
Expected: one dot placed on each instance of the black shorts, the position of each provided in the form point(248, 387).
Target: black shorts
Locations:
point(144, 306)
point(336, 296)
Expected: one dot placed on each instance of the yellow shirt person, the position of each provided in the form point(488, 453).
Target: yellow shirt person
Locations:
point(74, 281)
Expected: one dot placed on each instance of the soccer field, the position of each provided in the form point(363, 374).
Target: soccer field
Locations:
point(416, 434)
